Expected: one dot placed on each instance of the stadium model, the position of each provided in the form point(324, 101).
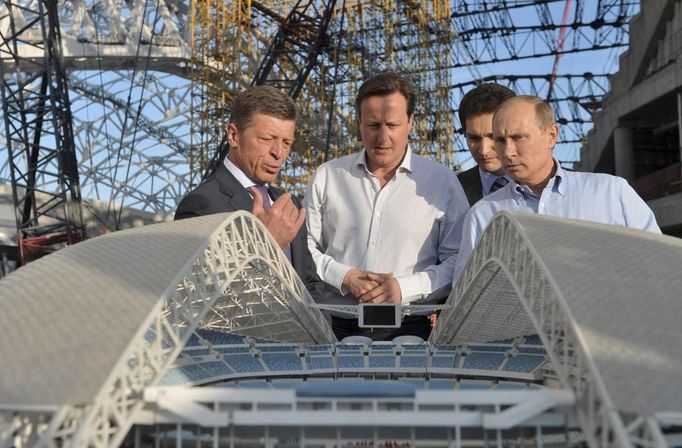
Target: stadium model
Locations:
point(199, 333)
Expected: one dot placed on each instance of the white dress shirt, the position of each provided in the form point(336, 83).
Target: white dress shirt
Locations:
point(245, 180)
point(411, 227)
point(241, 177)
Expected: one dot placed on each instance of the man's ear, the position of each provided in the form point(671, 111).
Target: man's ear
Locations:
point(553, 135)
point(232, 135)
point(410, 122)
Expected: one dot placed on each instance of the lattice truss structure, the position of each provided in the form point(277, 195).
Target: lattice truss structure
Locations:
point(613, 363)
point(561, 51)
point(363, 38)
point(512, 287)
point(233, 278)
point(151, 82)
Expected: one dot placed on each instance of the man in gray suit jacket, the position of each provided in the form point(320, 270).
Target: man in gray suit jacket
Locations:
point(476, 117)
point(260, 135)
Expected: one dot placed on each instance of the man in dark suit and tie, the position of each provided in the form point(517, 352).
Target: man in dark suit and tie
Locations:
point(476, 116)
point(260, 135)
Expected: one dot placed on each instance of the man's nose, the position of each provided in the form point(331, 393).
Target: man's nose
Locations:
point(488, 145)
point(383, 134)
point(505, 148)
point(277, 149)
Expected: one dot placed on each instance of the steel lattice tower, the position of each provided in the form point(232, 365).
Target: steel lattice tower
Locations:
point(38, 131)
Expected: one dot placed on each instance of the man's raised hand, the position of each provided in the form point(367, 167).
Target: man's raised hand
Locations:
point(283, 219)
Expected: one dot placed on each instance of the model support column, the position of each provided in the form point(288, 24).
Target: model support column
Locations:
point(624, 152)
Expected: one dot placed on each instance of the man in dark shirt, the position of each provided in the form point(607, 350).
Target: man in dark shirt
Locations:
point(476, 116)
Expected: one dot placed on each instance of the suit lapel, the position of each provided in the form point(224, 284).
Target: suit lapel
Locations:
point(275, 192)
point(471, 183)
point(240, 199)
point(237, 196)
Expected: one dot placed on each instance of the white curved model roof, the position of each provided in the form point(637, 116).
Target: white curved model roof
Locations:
point(623, 288)
point(617, 290)
point(88, 329)
point(68, 317)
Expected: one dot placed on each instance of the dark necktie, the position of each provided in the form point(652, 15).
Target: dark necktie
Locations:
point(267, 205)
point(499, 183)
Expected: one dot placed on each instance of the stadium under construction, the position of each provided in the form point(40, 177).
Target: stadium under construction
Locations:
point(199, 332)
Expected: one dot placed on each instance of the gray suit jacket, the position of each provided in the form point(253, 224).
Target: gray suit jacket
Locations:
point(471, 183)
point(221, 192)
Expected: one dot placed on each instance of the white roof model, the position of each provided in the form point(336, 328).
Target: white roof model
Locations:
point(605, 301)
point(87, 330)
point(106, 317)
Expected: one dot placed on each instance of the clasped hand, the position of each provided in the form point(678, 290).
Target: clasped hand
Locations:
point(372, 287)
point(283, 219)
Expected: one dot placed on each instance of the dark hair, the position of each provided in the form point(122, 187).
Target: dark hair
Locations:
point(265, 100)
point(483, 99)
point(544, 115)
point(386, 84)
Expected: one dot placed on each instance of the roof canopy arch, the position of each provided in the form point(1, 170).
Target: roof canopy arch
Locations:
point(603, 299)
point(93, 345)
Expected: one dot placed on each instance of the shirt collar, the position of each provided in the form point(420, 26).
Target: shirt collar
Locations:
point(405, 165)
point(488, 179)
point(556, 183)
point(241, 177)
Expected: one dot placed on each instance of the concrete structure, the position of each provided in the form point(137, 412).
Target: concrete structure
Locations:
point(638, 132)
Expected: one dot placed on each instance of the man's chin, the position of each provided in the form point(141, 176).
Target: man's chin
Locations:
point(380, 160)
point(269, 179)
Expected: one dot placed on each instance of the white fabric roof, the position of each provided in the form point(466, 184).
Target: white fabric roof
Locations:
point(623, 291)
point(68, 318)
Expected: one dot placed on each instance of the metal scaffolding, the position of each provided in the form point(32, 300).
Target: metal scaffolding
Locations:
point(38, 130)
point(151, 83)
point(289, 58)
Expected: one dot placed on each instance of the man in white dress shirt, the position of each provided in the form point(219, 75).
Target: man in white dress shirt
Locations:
point(384, 225)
